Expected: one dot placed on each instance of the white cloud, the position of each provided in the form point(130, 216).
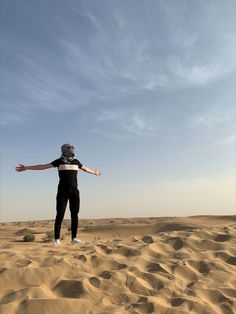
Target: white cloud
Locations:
point(185, 74)
point(138, 125)
point(126, 122)
point(119, 56)
point(108, 115)
point(210, 118)
point(227, 140)
point(38, 86)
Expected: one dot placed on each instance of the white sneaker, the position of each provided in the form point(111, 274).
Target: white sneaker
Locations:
point(56, 242)
point(75, 240)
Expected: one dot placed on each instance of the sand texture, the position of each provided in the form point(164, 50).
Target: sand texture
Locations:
point(169, 265)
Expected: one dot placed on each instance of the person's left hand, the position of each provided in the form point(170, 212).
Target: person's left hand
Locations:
point(97, 172)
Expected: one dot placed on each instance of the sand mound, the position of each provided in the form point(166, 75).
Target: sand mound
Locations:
point(24, 231)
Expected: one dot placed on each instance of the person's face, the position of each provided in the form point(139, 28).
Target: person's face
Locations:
point(71, 147)
point(69, 152)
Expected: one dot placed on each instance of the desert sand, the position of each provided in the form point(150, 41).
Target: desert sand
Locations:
point(124, 265)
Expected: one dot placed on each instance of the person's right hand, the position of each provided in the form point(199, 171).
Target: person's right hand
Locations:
point(97, 172)
point(20, 168)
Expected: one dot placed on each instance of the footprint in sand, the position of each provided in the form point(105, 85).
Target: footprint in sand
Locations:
point(177, 301)
point(222, 237)
point(96, 282)
point(143, 305)
point(231, 260)
point(23, 262)
point(126, 251)
point(154, 267)
point(204, 268)
point(191, 284)
point(156, 283)
point(70, 288)
point(119, 299)
point(226, 308)
point(81, 258)
point(229, 292)
point(139, 286)
point(106, 274)
point(147, 239)
point(105, 248)
point(213, 296)
point(8, 298)
point(200, 266)
point(95, 260)
point(112, 264)
point(224, 256)
point(176, 242)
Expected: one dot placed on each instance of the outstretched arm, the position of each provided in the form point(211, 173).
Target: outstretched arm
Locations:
point(89, 170)
point(37, 167)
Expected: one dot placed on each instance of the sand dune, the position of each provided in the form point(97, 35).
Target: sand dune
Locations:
point(136, 265)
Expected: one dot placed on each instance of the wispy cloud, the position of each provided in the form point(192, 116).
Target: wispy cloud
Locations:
point(133, 63)
point(108, 51)
point(130, 66)
point(138, 125)
point(226, 140)
point(16, 116)
point(125, 123)
point(108, 115)
point(35, 85)
point(210, 118)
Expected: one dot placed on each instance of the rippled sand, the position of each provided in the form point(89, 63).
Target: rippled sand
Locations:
point(137, 265)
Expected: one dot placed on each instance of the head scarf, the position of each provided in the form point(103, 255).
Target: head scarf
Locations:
point(67, 152)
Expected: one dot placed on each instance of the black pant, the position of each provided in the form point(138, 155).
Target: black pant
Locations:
point(63, 195)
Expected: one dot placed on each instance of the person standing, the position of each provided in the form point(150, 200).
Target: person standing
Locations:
point(68, 167)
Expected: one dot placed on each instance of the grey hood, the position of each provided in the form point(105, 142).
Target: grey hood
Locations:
point(67, 152)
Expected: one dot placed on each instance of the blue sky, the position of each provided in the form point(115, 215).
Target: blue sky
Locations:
point(145, 90)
